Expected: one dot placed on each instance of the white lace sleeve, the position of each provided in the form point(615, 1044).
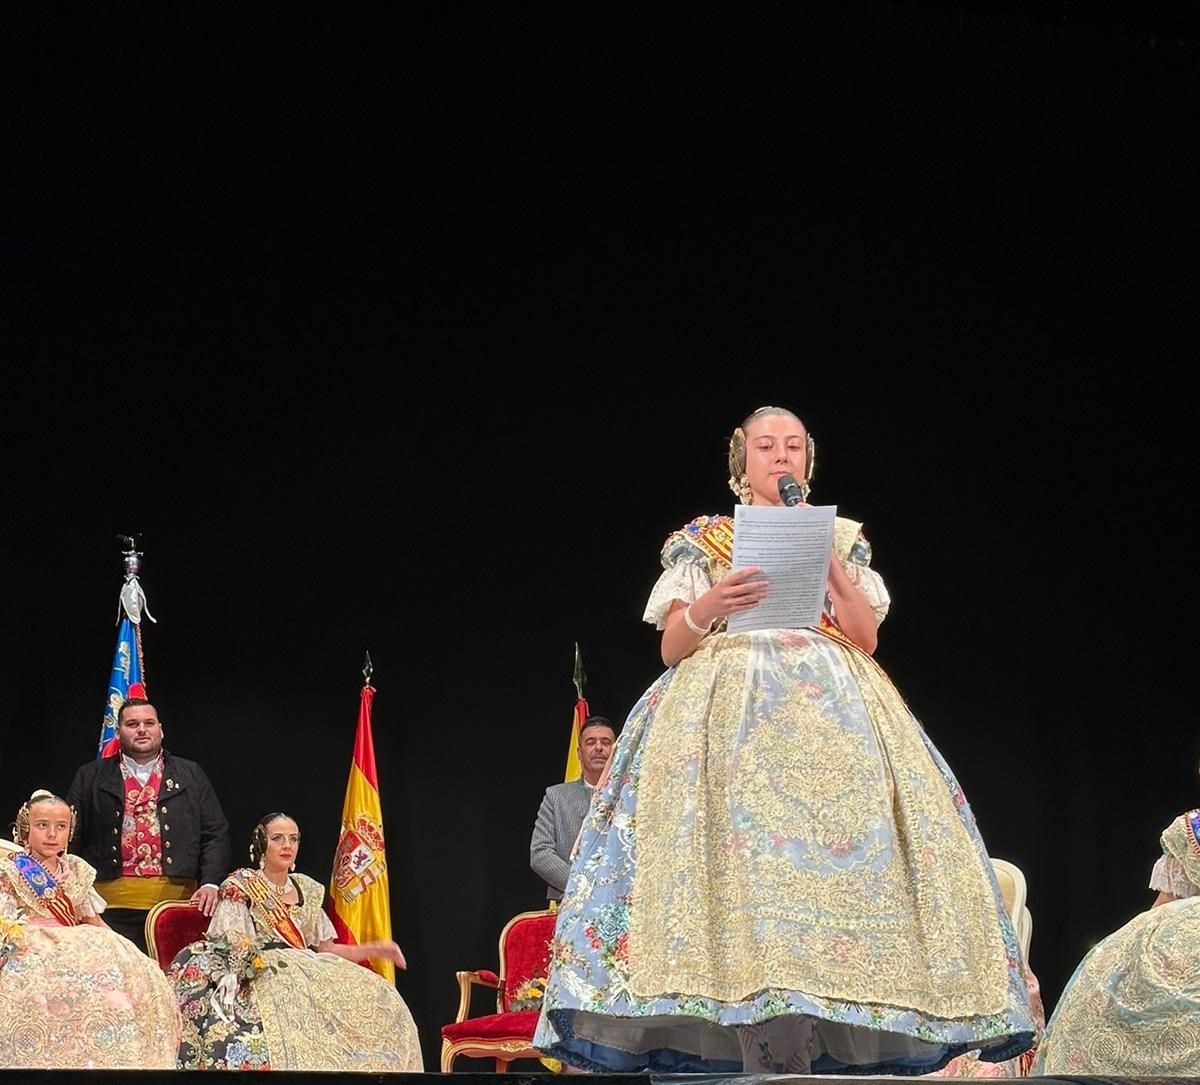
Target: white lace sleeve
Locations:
point(93, 904)
point(685, 580)
point(1168, 877)
point(871, 584)
point(10, 907)
point(325, 929)
point(231, 915)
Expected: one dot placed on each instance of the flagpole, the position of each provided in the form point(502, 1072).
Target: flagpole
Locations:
point(574, 769)
point(579, 678)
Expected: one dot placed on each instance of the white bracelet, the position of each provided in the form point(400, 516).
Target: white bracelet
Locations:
point(700, 631)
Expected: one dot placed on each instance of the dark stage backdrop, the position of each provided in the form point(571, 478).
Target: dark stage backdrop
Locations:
point(417, 333)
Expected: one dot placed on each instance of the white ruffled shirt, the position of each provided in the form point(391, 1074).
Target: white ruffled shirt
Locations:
point(139, 771)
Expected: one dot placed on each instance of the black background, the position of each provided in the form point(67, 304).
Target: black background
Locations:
point(414, 330)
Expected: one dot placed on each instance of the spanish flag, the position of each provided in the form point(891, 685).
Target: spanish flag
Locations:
point(574, 768)
point(358, 889)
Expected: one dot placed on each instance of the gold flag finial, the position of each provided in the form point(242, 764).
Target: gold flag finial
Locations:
point(368, 670)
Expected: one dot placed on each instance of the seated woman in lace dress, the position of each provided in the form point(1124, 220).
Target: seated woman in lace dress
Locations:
point(270, 989)
point(1132, 1005)
point(73, 992)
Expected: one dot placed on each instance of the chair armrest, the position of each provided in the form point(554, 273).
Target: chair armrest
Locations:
point(467, 980)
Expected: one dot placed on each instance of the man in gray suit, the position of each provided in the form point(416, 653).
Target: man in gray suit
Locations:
point(564, 806)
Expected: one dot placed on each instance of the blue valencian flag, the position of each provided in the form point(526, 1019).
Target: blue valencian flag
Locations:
point(128, 673)
point(126, 681)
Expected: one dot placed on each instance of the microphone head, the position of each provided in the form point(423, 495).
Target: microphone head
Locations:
point(790, 491)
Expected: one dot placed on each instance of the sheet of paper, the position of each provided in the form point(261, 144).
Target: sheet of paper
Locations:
point(792, 547)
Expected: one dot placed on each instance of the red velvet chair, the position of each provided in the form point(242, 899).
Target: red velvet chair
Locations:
point(171, 925)
point(506, 1034)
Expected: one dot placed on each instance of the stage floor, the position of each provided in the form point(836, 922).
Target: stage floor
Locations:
point(162, 1077)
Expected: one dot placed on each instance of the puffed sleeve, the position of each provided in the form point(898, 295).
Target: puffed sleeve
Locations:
point(10, 907)
point(871, 584)
point(855, 554)
point(231, 914)
point(325, 929)
point(1168, 876)
point(86, 900)
point(1180, 871)
point(685, 581)
point(92, 904)
point(686, 573)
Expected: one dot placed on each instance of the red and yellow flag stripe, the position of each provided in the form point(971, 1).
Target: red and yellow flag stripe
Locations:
point(358, 890)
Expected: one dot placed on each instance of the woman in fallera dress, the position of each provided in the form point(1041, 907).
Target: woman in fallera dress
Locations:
point(73, 992)
point(270, 989)
point(1132, 1006)
point(780, 873)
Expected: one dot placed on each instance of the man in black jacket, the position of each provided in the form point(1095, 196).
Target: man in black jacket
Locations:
point(150, 823)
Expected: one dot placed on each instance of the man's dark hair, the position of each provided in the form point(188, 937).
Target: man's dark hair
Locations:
point(596, 721)
point(130, 702)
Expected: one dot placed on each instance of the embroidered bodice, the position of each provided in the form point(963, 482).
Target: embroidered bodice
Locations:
point(697, 556)
point(73, 877)
point(234, 913)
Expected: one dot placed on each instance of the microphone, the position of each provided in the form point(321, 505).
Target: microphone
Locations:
point(789, 490)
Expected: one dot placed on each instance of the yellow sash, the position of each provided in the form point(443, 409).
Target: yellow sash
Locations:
point(144, 893)
point(37, 889)
point(267, 908)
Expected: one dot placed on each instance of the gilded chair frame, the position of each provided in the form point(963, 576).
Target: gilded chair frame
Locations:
point(152, 919)
point(503, 1051)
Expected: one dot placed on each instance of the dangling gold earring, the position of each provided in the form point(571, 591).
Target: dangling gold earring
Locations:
point(744, 491)
point(737, 464)
point(262, 862)
point(21, 827)
point(292, 868)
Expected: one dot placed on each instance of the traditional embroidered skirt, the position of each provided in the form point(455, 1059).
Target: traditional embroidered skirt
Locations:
point(315, 1011)
point(779, 840)
point(84, 997)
